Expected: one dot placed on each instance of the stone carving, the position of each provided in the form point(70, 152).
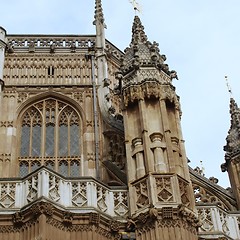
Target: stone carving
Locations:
point(167, 213)
point(18, 219)
point(202, 195)
point(142, 194)
point(52, 48)
point(121, 203)
point(224, 222)
point(114, 226)
point(188, 216)
point(5, 157)
point(67, 218)
point(73, 47)
point(54, 188)
point(205, 217)
point(78, 96)
point(42, 208)
point(184, 192)
point(173, 74)
point(32, 186)
point(94, 218)
point(107, 234)
point(10, 48)
point(31, 47)
point(101, 198)
point(22, 96)
point(131, 225)
point(9, 94)
point(198, 170)
point(116, 149)
point(153, 213)
point(8, 229)
point(7, 195)
point(106, 82)
point(164, 189)
point(149, 87)
point(213, 180)
point(46, 71)
point(79, 194)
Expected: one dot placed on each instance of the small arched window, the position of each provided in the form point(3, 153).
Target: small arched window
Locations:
point(50, 131)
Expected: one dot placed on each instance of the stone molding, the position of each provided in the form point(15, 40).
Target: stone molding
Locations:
point(149, 88)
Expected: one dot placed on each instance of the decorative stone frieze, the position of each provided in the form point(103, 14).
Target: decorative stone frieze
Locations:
point(5, 157)
point(6, 123)
point(42, 208)
point(204, 196)
point(67, 218)
point(22, 96)
point(18, 219)
point(94, 218)
point(9, 94)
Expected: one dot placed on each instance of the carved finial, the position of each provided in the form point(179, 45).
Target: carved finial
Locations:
point(138, 33)
point(202, 168)
point(99, 17)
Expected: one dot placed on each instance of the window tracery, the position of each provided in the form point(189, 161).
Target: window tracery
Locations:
point(50, 136)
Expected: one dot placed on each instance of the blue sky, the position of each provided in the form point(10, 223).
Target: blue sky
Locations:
point(200, 39)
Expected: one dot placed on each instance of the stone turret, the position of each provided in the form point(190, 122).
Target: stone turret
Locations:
point(3, 43)
point(159, 182)
point(232, 149)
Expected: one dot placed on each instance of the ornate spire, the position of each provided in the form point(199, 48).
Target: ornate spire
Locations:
point(138, 33)
point(99, 17)
point(143, 53)
point(100, 25)
point(233, 138)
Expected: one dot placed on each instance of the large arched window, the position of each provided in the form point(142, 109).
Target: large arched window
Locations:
point(50, 133)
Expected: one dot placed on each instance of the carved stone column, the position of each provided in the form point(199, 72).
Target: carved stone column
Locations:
point(159, 161)
point(138, 150)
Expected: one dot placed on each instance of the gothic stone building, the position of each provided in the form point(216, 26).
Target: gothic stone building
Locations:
point(91, 145)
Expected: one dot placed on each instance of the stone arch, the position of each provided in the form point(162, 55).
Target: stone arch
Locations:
point(61, 97)
point(65, 139)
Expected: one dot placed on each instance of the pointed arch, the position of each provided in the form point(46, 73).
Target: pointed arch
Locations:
point(51, 129)
point(58, 96)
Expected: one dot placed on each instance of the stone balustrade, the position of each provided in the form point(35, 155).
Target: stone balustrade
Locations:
point(85, 194)
point(217, 222)
point(52, 42)
point(80, 194)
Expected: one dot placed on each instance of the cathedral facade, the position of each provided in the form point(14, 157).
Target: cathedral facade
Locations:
point(92, 148)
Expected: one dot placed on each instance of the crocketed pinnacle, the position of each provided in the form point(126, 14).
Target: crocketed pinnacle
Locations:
point(138, 33)
point(141, 52)
point(233, 138)
point(98, 17)
point(235, 114)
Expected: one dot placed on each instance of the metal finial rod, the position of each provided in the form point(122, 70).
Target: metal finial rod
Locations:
point(136, 6)
point(228, 86)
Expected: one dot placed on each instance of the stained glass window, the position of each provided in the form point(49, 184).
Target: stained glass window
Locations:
point(36, 141)
point(25, 140)
point(74, 136)
point(50, 128)
point(74, 169)
point(35, 165)
point(23, 168)
point(50, 164)
point(63, 140)
point(49, 143)
point(63, 168)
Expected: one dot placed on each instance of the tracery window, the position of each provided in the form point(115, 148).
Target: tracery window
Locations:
point(50, 136)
